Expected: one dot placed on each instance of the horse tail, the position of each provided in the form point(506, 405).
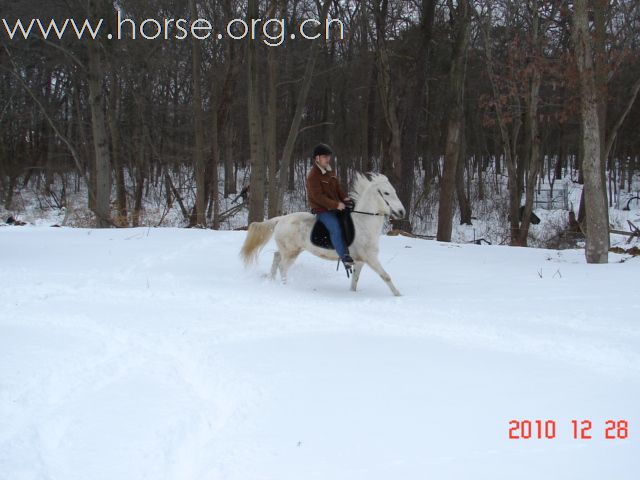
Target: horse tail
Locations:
point(258, 235)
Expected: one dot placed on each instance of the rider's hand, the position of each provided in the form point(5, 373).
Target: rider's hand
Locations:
point(341, 206)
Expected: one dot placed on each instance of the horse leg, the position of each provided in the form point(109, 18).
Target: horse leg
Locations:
point(357, 268)
point(286, 261)
point(375, 265)
point(275, 264)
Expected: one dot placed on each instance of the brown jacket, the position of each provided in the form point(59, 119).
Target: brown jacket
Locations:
point(323, 189)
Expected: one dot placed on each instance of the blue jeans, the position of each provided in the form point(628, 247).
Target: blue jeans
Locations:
point(330, 220)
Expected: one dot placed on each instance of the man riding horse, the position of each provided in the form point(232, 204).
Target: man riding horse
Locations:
point(327, 198)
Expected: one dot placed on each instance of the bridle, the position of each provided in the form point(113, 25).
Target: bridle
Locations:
point(375, 214)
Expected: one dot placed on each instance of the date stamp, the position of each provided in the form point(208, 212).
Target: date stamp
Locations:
point(582, 429)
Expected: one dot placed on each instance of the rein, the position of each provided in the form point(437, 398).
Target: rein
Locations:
point(368, 213)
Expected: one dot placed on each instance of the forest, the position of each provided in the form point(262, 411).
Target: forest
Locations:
point(471, 108)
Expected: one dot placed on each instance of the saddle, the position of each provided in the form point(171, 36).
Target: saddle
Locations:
point(320, 235)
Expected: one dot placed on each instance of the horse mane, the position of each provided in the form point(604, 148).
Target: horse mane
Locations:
point(364, 181)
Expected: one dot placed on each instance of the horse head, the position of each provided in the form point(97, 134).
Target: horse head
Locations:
point(377, 189)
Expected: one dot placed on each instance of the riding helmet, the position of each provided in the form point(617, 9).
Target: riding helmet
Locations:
point(322, 149)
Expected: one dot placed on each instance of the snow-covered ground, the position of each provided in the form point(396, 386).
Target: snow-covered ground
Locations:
point(150, 353)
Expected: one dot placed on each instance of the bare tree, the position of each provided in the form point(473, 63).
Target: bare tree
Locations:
point(597, 219)
point(460, 19)
point(256, 197)
point(102, 166)
point(198, 115)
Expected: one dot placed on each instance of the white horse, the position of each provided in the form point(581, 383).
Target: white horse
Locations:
point(374, 197)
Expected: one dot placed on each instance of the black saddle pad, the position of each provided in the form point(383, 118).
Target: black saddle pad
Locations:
point(320, 235)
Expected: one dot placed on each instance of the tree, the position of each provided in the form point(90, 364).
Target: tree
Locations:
point(460, 19)
point(198, 114)
point(597, 219)
point(256, 197)
point(102, 165)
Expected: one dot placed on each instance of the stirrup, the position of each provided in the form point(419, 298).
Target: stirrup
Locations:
point(347, 266)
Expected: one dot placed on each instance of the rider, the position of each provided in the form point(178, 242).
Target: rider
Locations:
point(326, 197)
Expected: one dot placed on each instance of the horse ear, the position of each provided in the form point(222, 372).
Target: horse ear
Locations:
point(363, 176)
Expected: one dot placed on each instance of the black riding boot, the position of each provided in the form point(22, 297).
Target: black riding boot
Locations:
point(347, 260)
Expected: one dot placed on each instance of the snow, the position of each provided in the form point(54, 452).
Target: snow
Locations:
point(150, 353)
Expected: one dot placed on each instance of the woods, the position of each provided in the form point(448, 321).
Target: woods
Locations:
point(469, 107)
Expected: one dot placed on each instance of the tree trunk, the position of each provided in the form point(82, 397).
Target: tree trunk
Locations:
point(116, 154)
point(463, 200)
point(271, 126)
point(601, 67)
point(102, 166)
point(597, 220)
point(214, 188)
point(200, 166)
point(227, 95)
point(532, 134)
point(256, 196)
point(455, 122)
point(138, 194)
